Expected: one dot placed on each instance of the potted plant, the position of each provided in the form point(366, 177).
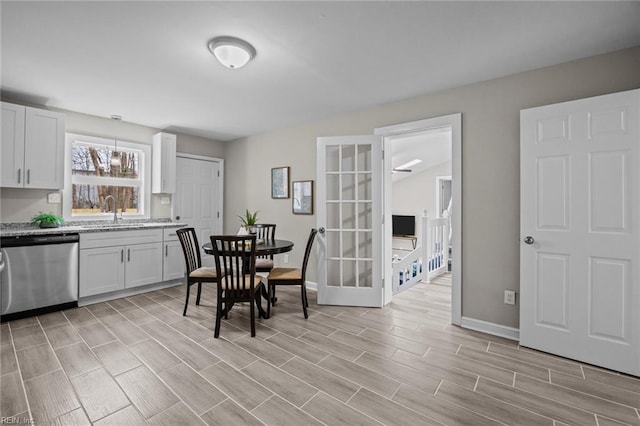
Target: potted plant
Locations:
point(248, 220)
point(47, 220)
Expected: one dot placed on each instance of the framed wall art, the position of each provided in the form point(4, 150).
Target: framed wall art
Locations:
point(280, 182)
point(302, 197)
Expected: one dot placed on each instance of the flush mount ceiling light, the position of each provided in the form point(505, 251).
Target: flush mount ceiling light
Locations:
point(231, 52)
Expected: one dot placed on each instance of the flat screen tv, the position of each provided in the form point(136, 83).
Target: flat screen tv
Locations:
point(404, 226)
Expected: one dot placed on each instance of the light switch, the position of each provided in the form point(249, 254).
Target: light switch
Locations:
point(54, 198)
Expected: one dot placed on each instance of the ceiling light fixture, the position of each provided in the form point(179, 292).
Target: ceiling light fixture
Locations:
point(115, 155)
point(231, 52)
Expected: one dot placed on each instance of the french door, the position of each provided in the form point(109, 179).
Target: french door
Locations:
point(349, 186)
point(580, 224)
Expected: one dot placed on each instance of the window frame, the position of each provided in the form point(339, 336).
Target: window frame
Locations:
point(144, 179)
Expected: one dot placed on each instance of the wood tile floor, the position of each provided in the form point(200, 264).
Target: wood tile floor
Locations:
point(136, 360)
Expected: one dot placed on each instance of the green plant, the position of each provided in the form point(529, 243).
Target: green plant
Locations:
point(249, 219)
point(46, 218)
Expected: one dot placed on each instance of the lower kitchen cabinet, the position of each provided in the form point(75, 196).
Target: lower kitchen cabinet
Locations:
point(101, 270)
point(173, 265)
point(106, 264)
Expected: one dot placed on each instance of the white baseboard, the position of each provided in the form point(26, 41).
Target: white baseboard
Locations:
point(312, 286)
point(491, 328)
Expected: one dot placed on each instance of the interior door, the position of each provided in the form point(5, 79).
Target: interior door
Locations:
point(579, 277)
point(196, 198)
point(349, 186)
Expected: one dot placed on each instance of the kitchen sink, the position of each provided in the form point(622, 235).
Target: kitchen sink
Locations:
point(114, 225)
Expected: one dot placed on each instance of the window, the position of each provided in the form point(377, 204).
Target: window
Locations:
point(93, 178)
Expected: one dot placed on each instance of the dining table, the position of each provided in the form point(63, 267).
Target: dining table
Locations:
point(264, 248)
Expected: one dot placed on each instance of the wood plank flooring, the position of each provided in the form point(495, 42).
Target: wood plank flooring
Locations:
point(137, 360)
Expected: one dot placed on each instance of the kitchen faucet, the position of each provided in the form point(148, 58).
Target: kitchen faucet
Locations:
point(115, 206)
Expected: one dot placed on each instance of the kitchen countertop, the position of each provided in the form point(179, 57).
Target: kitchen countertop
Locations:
point(25, 229)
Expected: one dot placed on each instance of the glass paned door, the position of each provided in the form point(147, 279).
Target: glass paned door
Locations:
point(349, 182)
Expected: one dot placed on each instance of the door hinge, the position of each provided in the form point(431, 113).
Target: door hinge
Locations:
point(218, 173)
point(383, 154)
point(218, 215)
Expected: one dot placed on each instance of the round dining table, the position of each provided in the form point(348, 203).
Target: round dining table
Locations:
point(263, 249)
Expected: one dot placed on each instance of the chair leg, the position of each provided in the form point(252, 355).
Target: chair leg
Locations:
point(253, 319)
point(186, 302)
point(199, 291)
point(306, 299)
point(216, 333)
point(270, 287)
point(273, 299)
point(303, 296)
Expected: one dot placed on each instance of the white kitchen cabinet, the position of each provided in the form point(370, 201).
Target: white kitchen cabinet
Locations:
point(164, 164)
point(117, 260)
point(32, 148)
point(101, 270)
point(143, 264)
point(173, 264)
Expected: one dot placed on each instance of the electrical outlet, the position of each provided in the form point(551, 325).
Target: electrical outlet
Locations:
point(510, 297)
point(54, 198)
point(286, 258)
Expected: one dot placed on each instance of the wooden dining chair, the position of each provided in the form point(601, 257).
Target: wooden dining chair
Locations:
point(265, 231)
point(195, 272)
point(292, 276)
point(238, 282)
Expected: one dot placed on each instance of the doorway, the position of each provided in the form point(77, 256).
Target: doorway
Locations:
point(390, 134)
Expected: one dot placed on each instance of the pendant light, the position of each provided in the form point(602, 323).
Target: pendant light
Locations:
point(115, 155)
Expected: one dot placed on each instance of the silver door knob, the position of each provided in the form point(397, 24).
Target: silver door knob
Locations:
point(528, 240)
point(321, 230)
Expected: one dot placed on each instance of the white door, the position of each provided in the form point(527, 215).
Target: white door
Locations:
point(349, 184)
point(196, 198)
point(579, 257)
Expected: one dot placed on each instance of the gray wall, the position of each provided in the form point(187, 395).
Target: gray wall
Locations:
point(19, 205)
point(490, 165)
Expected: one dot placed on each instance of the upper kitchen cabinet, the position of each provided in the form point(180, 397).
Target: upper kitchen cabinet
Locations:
point(164, 164)
point(32, 148)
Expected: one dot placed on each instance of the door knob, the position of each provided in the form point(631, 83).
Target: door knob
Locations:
point(321, 230)
point(528, 240)
point(177, 217)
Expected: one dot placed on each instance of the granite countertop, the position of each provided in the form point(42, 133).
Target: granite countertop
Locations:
point(25, 229)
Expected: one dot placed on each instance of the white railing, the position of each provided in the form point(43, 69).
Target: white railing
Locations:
point(426, 261)
point(436, 252)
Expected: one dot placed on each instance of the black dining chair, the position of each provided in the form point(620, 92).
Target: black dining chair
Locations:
point(195, 273)
point(238, 282)
point(265, 231)
point(292, 276)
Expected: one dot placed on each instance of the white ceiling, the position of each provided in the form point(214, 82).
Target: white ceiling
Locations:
point(432, 147)
point(148, 61)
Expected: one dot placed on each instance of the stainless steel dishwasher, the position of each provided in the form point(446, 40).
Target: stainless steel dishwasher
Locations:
point(40, 275)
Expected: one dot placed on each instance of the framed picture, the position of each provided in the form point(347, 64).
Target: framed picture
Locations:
point(303, 197)
point(280, 182)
